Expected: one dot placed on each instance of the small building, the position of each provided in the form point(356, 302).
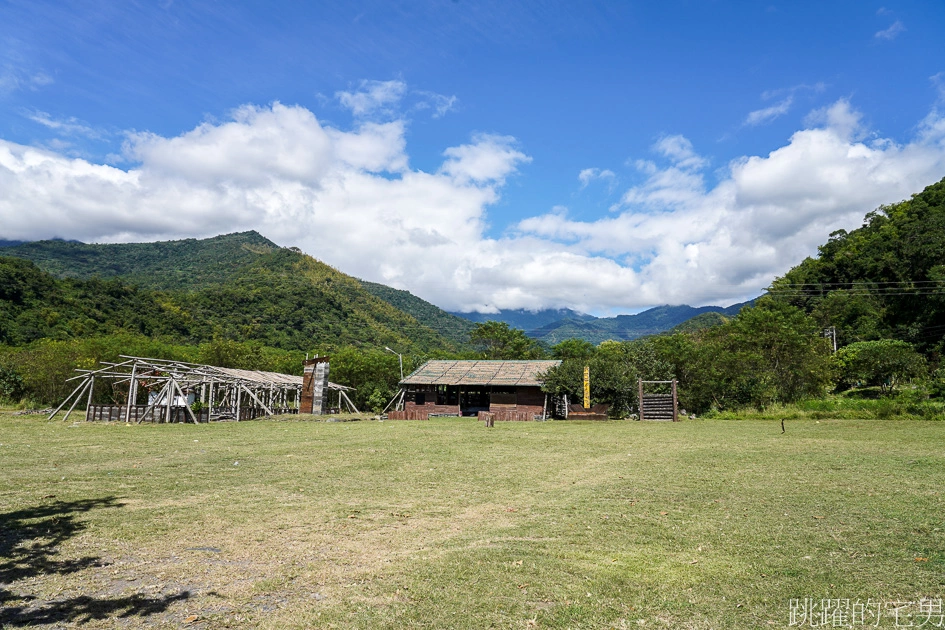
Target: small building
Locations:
point(509, 389)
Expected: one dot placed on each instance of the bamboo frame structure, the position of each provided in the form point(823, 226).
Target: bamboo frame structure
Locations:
point(234, 394)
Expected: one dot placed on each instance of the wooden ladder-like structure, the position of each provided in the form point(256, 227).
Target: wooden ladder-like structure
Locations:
point(663, 407)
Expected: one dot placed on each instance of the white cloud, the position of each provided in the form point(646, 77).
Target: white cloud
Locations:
point(69, 126)
point(587, 175)
point(938, 82)
point(439, 103)
point(892, 32)
point(766, 115)
point(840, 117)
point(490, 158)
point(373, 97)
point(726, 242)
point(679, 149)
point(13, 79)
point(350, 198)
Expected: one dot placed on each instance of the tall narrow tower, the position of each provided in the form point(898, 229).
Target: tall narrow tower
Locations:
point(314, 384)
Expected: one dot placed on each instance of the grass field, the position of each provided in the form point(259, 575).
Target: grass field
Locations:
point(447, 524)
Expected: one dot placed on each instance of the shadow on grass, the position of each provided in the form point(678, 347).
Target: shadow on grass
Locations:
point(29, 548)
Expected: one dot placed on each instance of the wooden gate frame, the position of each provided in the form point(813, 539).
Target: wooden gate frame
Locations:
point(641, 382)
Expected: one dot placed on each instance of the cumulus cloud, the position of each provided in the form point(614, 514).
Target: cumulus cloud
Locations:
point(724, 242)
point(488, 159)
point(892, 32)
point(350, 198)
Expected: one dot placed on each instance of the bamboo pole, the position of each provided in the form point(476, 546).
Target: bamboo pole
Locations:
point(348, 400)
point(131, 392)
point(89, 403)
point(76, 401)
point(152, 406)
point(59, 408)
point(254, 397)
point(186, 406)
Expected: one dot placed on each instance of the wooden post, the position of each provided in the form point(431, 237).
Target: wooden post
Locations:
point(89, 403)
point(186, 406)
point(74, 392)
point(152, 406)
point(256, 398)
point(131, 392)
point(237, 392)
point(675, 406)
point(170, 398)
point(640, 400)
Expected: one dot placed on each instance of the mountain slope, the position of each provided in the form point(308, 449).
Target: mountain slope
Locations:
point(167, 265)
point(454, 328)
point(254, 291)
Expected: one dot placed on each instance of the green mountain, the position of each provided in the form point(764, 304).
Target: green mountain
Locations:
point(167, 265)
point(239, 286)
point(701, 321)
point(193, 264)
point(885, 279)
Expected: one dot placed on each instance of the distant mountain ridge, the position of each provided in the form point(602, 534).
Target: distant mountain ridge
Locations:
point(546, 326)
point(526, 320)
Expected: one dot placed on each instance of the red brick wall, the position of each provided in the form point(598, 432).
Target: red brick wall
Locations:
point(431, 407)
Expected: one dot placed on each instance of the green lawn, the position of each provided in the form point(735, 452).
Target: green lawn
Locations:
point(447, 524)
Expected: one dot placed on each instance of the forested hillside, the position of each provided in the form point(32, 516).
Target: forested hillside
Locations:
point(212, 263)
point(883, 280)
point(184, 264)
point(454, 328)
point(281, 299)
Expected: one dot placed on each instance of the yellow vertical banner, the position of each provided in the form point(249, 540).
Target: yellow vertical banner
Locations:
point(587, 387)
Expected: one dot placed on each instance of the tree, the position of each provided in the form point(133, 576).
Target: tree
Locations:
point(768, 353)
point(573, 349)
point(374, 375)
point(496, 340)
point(614, 368)
point(886, 362)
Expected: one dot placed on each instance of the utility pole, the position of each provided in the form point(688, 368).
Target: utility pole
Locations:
point(400, 359)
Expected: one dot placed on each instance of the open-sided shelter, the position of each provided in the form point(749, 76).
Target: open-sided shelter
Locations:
point(160, 390)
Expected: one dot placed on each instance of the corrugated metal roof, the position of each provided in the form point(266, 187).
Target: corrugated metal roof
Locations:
point(479, 373)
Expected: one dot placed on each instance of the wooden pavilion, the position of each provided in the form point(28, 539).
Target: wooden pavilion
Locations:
point(509, 390)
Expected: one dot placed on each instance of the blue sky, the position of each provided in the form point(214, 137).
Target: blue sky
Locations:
point(599, 156)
